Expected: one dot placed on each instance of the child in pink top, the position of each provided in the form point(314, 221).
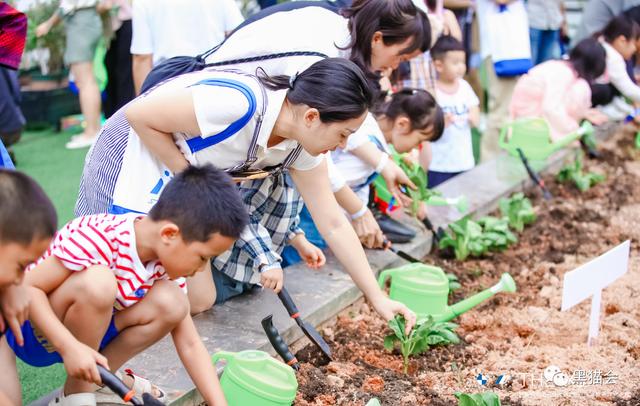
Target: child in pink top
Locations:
point(559, 91)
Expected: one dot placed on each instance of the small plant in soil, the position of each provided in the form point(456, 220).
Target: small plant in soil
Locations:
point(465, 237)
point(574, 172)
point(454, 283)
point(425, 333)
point(477, 399)
point(518, 210)
point(496, 233)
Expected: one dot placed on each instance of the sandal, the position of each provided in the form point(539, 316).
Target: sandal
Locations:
point(140, 385)
point(76, 399)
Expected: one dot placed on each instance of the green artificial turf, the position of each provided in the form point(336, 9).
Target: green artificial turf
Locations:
point(42, 155)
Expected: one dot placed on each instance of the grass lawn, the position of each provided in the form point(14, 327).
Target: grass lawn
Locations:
point(42, 155)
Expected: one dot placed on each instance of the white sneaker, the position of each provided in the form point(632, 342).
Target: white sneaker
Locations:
point(77, 399)
point(80, 142)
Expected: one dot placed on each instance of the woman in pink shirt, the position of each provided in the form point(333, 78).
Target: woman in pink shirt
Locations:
point(559, 91)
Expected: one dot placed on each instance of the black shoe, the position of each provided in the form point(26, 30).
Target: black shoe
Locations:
point(395, 231)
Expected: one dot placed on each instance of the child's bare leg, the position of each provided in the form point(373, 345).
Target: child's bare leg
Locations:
point(9, 384)
point(201, 290)
point(84, 303)
point(146, 322)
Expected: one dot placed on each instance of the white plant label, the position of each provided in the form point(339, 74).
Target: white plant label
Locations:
point(588, 281)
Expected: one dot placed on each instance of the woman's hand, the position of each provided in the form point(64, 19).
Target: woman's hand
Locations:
point(388, 308)
point(368, 230)
point(43, 29)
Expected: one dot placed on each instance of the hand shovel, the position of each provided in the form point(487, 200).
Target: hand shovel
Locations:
point(400, 253)
point(128, 395)
point(307, 328)
point(278, 343)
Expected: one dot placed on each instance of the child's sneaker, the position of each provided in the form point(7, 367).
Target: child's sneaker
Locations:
point(77, 399)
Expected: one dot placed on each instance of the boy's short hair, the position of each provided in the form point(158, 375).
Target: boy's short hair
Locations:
point(26, 213)
point(444, 44)
point(202, 201)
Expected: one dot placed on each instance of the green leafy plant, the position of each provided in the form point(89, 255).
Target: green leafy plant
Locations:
point(496, 233)
point(54, 41)
point(418, 176)
point(465, 237)
point(477, 399)
point(574, 172)
point(454, 283)
point(518, 210)
point(425, 333)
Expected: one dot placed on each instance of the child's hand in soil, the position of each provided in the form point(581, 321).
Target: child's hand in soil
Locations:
point(388, 308)
point(273, 279)
point(310, 254)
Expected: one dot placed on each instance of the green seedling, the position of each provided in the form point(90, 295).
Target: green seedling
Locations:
point(518, 210)
point(574, 172)
point(425, 334)
point(637, 142)
point(465, 237)
point(454, 283)
point(418, 176)
point(496, 233)
point(477, 399)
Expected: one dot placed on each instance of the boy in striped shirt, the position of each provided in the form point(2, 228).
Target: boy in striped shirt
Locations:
point(27, 222)
point(110, 286)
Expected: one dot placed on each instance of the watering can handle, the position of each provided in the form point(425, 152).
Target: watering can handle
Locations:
point(225, 355)
point(382, 278)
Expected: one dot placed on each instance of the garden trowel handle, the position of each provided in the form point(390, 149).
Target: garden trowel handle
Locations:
point(288, 303)
point(117, 386)
point(278, 343)
point(427, 223)
point(534, 177)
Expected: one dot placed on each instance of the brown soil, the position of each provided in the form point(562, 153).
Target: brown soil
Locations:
point(517, 335)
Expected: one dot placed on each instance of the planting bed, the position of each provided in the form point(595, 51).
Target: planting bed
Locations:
point(517, 335)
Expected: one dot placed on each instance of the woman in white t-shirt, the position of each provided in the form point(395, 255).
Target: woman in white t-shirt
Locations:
point(239, 122)
point(406, 120)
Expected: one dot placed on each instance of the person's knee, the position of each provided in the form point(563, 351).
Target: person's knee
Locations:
point(96, 286)
point(201, 303)
point(169, 302)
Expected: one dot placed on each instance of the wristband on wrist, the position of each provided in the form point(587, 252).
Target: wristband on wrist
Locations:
point(359, 213)
point(383, 162)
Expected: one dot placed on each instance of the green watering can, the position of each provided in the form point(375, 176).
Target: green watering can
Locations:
point(257, 379)
point(533, 137)
point(425, 290)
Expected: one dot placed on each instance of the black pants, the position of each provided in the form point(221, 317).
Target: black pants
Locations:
point(603, 94)
point(119, 88)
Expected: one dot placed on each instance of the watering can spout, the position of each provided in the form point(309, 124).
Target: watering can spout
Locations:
point(585, 129)
point(506, 284)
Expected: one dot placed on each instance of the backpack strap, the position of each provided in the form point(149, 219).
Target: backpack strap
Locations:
point(260, 57)
point(199, 143)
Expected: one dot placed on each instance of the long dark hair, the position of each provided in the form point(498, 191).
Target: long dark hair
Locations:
point(336, 87)
point(397, 20)
point(419, 106)
point(589, 59)
point(621, 25)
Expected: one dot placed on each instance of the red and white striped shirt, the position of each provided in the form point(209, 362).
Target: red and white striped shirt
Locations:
point(108, 240)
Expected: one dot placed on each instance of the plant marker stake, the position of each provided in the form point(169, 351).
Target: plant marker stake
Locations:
point(534, 177)
point(590, 279)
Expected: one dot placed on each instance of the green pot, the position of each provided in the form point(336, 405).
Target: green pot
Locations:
point(255, 378)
